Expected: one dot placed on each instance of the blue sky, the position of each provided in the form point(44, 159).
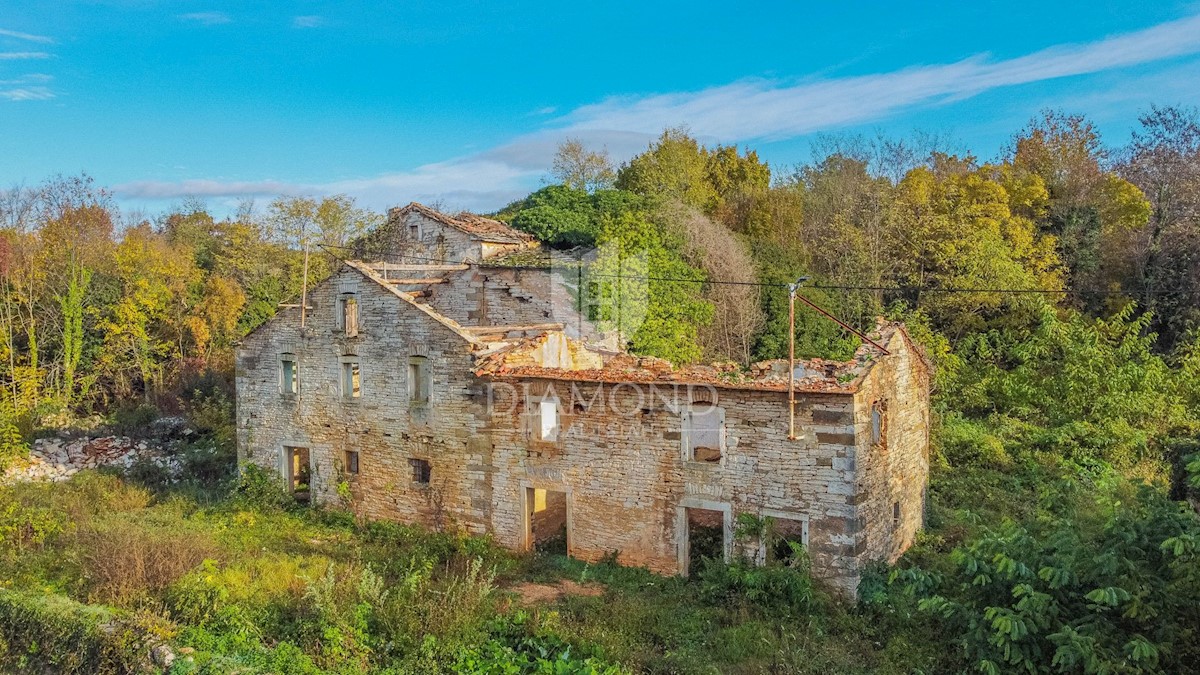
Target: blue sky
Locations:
point(464, 102)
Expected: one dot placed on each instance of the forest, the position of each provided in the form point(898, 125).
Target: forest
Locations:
point(1055, 288)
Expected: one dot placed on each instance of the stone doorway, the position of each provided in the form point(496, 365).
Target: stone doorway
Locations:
point(705, 537)
point(547, 522)
point(299, 473)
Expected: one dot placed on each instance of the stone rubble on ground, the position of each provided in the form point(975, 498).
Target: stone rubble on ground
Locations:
point(57, 459)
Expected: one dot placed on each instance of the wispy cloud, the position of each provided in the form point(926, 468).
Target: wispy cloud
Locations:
point(18, 56)
point(28, 37)
point(207, 18)
point(739, 111)
point(27, 94)
point(310, 21)
point(772, 109)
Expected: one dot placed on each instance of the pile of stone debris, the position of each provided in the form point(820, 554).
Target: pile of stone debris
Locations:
point(57, 459)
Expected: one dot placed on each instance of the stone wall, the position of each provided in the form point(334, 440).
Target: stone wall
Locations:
point(619, 455)
point(505, 296)
point(620, 459)
point(893, 474)
point(383, 425)
point(420, 237)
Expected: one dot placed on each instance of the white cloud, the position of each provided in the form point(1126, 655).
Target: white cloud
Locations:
point(26, 36)
point(310, 21)
point(18, 56)
point(207, 18)
point(739, 111)
point(31, 78)
point(27, 94)
point(772, 109)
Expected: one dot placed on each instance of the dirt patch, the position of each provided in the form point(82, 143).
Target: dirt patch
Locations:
point(539, 594)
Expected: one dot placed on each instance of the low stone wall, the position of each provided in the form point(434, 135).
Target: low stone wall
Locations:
point(57, 459)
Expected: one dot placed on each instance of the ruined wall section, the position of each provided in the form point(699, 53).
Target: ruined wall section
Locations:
point(620, 458)
point(894, 472)
point(498, 296)
point(423, 239)
point(383, 425)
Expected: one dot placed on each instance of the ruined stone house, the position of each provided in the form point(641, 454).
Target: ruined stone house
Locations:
point(439, 386)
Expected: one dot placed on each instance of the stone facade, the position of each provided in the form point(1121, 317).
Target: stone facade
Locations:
point(420, 234)
point(620, 455)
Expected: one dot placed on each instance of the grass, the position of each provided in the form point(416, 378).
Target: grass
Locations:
point(240, 579)
point(243, 583)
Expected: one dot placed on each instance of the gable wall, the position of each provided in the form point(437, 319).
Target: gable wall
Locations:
point(432, 241)
point(380, 425)
point(897, 470)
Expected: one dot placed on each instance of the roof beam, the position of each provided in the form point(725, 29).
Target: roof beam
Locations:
point(415, 281)
point(404, 267)
point(513, 329)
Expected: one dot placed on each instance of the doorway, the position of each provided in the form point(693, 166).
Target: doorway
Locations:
point(299, 473)
point(546, 523)
point(705, 537)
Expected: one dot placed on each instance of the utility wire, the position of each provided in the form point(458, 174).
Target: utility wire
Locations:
point(830, 287)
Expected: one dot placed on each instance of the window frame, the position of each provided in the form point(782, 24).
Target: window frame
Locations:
point(348, 316)
point(347, 365)
point(879, 423)
point(418, 380)
point(686, 435)
point(353, 462)
point(286, 358)
point(422, 471)
point(543, 404)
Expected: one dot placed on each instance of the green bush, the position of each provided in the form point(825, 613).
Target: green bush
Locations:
point(260, 489)
point(773, 590)
point(132, 419)
point(50, 633)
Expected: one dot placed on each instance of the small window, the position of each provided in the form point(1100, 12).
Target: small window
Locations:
point(351, 378)
point(352, 462)
point(879, 423)
point(348, 316)
point(895, 513)
point(420, 471)
point(704, 432)
point(547, 420)
point(418, 379)
point(289, 381)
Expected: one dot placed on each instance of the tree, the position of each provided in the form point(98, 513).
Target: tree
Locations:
point(579, 168)
point(674, 167)
point(1163, 160)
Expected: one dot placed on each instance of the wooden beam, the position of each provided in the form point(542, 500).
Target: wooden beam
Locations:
point(398, 267)
point(283, 306)
point(416, 281)
point(418, 294)
point(513, 329)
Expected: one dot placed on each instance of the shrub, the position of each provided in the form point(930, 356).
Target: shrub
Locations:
point(260, 489)
point(132, 419)
point(123, 560)
point(773, 590)
point(51, 633)
point(966, 442)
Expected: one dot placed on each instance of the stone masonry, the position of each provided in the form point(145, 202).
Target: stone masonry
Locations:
point(619, 459)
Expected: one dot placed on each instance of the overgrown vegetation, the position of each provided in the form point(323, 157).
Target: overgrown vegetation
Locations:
point(1055, 289)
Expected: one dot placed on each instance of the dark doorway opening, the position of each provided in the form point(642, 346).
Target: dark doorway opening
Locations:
point(705, 537)
point(547, 520)
point(300, 473)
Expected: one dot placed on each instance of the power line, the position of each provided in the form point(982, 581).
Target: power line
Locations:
point(830, 287)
